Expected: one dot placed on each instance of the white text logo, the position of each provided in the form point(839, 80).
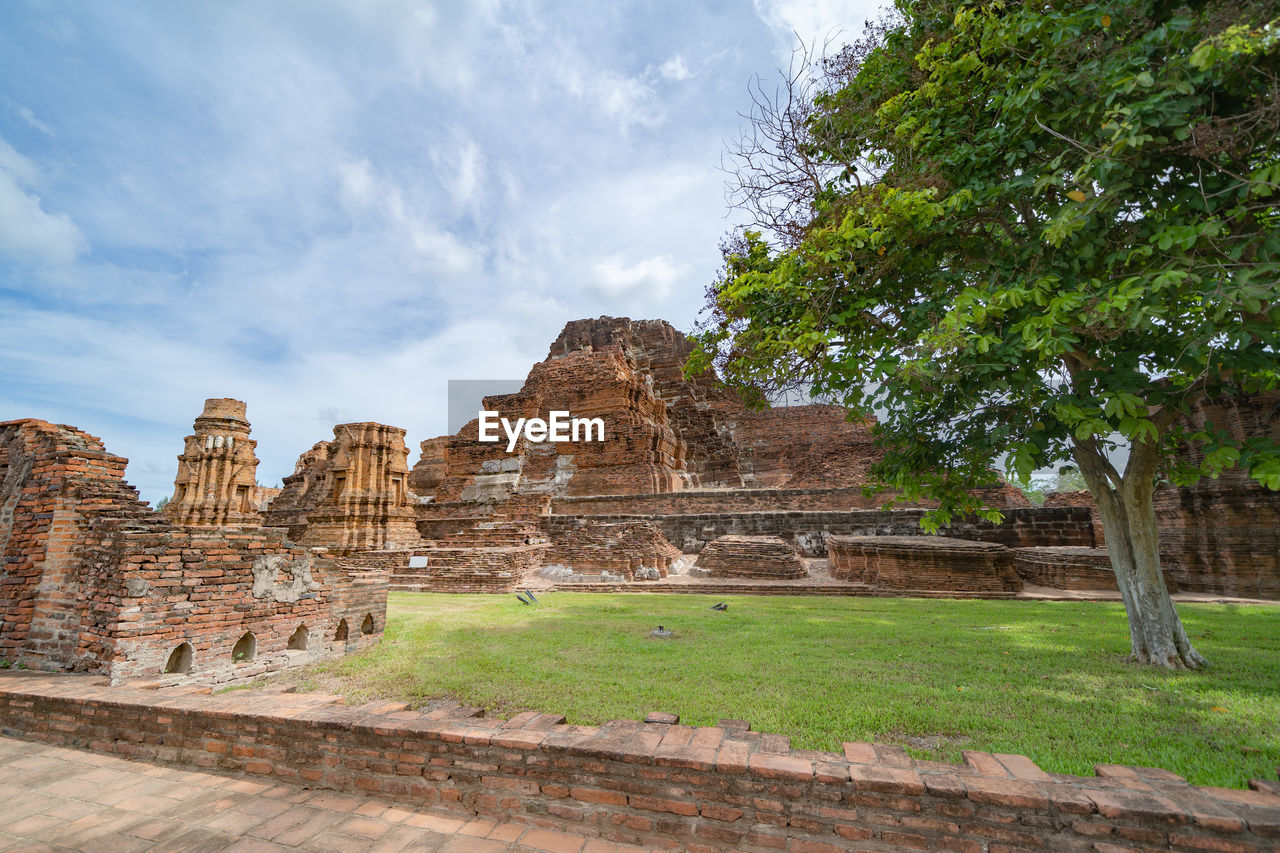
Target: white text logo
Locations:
point(560, 427)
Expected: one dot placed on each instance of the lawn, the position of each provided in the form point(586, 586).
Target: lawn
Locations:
point(1046, 679)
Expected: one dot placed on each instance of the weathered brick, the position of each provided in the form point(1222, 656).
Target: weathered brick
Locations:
point(657, 804)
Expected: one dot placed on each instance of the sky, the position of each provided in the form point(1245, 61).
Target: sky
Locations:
point(329, 209)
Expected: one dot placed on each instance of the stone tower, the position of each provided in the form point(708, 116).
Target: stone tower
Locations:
point(366, 503)
point(216, 471)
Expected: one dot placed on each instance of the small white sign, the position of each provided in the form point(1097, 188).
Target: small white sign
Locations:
point(418, 562)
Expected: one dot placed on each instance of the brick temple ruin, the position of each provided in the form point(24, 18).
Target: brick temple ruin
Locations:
point(686, 466)
point(690, 489)
point(95, 581)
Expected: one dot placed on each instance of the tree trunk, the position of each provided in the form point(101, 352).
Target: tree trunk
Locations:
point(1129, 520)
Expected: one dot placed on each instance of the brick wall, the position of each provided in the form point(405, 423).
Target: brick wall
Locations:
point(923, 562)
point(95, 581)
point(717, 501)
point(468, 569)
point(589, 546)
point(659, 784)
point(1223, 535)
point(1022, 527)
point(760, 557)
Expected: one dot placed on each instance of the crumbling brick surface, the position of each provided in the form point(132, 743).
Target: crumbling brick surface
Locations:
point(1223, 536)
point(351, 493)
point(640, 452)
point(1085, 499)
point(751, 557)
point(664, 432)
point(923, 562)
point(432, 466)
point(216, 481)
point(1071, 568)
point(303, 490)
point(809, 531)
point(709, 501)
point(1065, 567)
point(461, 568)
point(589, 546)
point(95, 581)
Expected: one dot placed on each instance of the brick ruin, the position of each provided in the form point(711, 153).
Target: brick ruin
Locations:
point(350, 494)
point(733, 556)
point(1223, 535)
point(684, 462)
point(1072, 567)
point(686, 470)
point(678, 450)
point(924, 562)
point(665, 433)
point(609, 550)
point(216, 481)
point(1067, 567)
point(95, 581)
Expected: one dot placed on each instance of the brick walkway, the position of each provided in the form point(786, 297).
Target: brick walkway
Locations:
point(56, 799)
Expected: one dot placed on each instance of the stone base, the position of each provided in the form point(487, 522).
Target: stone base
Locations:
point(764, 557)
point(923, 562)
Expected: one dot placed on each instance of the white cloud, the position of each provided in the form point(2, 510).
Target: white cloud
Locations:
point(27, 231)
point(816, 22)
point(30, 118)
point(624, 100)
point(461, 169)
point(374, 201)
point(20, 168)
point(653, 276)
point(675, 69)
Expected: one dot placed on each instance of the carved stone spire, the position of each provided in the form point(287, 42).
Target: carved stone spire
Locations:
point(216, 472)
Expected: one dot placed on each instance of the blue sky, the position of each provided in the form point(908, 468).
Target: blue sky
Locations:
point(329, 209)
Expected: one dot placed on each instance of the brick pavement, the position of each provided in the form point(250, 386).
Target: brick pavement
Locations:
point(58, 799)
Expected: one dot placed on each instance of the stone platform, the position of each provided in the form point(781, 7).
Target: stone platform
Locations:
point(923, 562)
point(756, 557)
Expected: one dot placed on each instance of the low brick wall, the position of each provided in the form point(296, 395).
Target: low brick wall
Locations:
point(803, 586)
point(807, 531)
point(923, 562)
point(655, 783)
point(716, 501)
point(472, 569)
point(1067, 568)
point(591, 547)
point(766, 557)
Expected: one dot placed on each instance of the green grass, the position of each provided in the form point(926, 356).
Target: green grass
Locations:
point(1046, 679)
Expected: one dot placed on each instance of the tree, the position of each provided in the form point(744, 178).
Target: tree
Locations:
point(1050, 229)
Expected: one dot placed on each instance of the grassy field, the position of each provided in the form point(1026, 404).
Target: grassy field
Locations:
point(1046, 679)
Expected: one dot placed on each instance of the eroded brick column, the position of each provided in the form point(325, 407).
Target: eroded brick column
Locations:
point(216, 472)
point(367, 503)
